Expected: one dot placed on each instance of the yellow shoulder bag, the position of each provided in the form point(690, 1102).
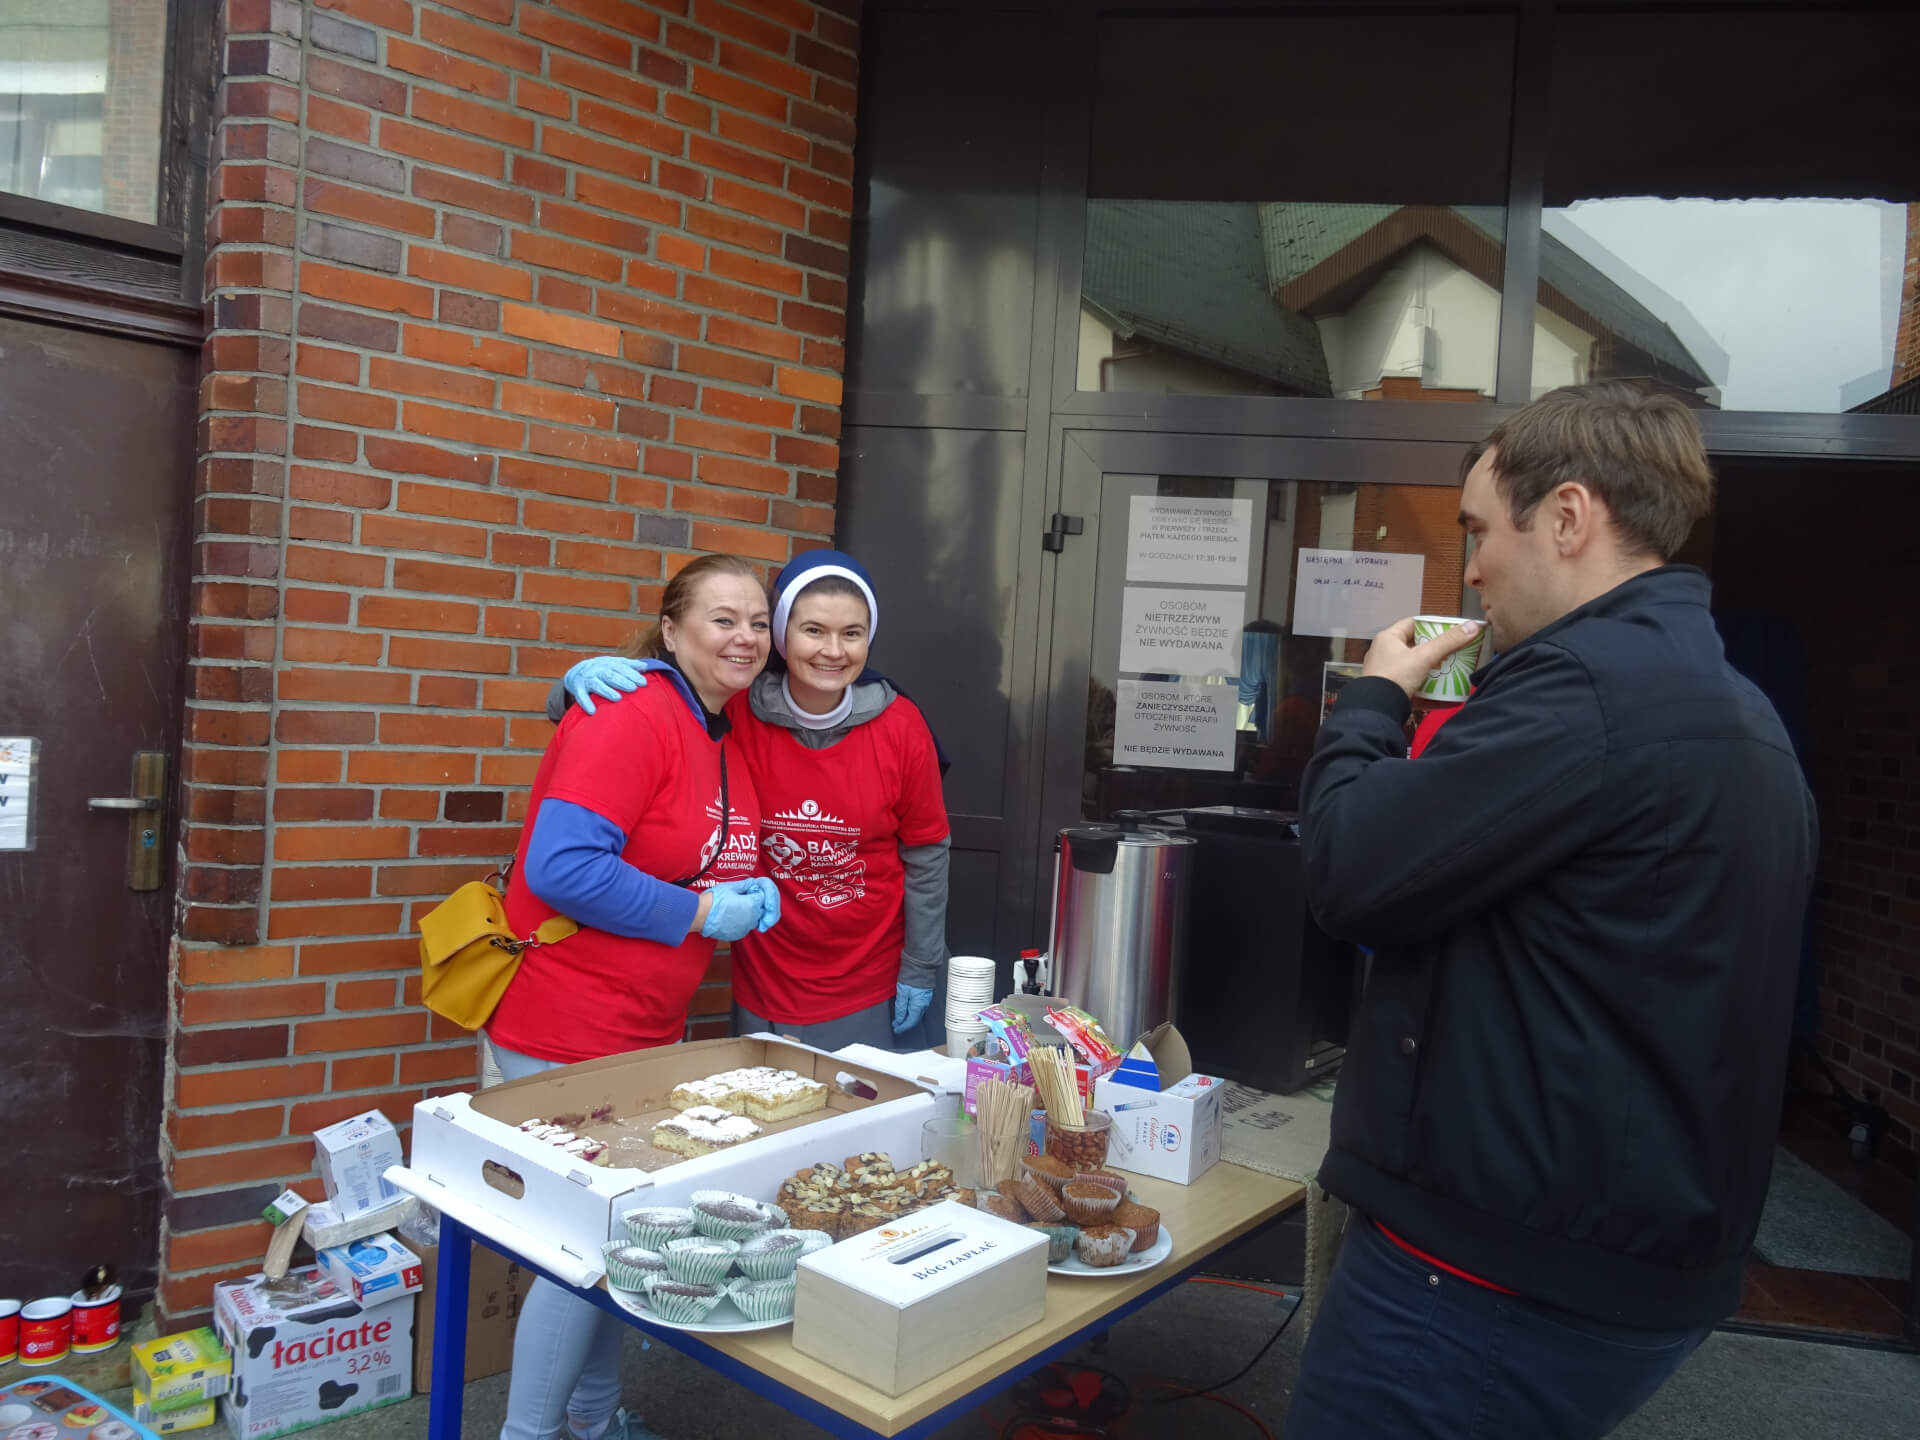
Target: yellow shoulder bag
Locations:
point(468, 952)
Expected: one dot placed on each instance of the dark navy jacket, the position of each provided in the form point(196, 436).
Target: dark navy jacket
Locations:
point(1586, 902)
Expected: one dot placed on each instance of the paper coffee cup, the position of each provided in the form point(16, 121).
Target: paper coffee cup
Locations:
point(96, 1323)
point(1453, 680)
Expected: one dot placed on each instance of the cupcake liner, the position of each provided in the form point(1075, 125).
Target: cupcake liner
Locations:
point(763, 1300)
point(761, 1260)
point(700, 1260)
point(1105, 1248)
point(727, 1227)
point(624, 1276)
point(1088, 1203)
point(1060, 1240)
point(682, 1309)
point(1041, 1202)
point(653, 1227)
point(1047, 1173)
point(1114, 1182)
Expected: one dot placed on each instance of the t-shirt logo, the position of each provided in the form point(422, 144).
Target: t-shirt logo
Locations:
point(817, 853)
point(743, 847)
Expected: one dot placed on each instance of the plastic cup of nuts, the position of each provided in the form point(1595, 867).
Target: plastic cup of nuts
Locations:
point(1082, 1146)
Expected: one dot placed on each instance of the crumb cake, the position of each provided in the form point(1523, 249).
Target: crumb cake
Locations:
point(758, 1091)
point(701, 1130)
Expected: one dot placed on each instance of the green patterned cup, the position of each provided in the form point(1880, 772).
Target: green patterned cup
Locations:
point(1454, 679)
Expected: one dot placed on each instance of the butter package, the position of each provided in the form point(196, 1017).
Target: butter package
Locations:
point(176, 1372)
point(194, 1415)
point(373, 1270)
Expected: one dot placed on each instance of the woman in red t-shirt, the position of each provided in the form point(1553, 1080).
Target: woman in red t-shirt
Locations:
point(853, 828)
point(641, 831)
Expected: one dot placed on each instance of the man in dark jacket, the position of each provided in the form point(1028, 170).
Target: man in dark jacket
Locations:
point(1557, 1111)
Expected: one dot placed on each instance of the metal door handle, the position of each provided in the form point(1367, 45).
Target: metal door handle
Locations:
point(143, 809)
point(121, 802)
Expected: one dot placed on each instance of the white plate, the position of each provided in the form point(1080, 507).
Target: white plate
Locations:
point(724, 1319)
point(1132, 1265)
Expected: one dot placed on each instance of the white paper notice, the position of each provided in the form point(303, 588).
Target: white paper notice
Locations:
point(16, 792)
point(1189, 542)
point(1186, 727)
point(1354, 592)
point(1181, 632)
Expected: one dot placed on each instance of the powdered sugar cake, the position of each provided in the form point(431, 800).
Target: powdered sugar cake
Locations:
point(701, 1130)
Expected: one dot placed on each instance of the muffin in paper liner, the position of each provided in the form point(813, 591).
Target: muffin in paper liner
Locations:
point(682, 1302)
point(776, 1253)
point(1060, 1240)
point(1089, 1203)
point(1114, 1182)
point(1050, 1172)
point(1103, 1246)
point(763, 1300)
point(629, 1265)
point(700, 1259)
point(1143, 1220)
point(1039, 1200)
point(727, 1216)
point(653, 1226)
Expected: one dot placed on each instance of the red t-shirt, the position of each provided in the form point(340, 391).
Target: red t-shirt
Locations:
point(648, 766)
point(832, 824)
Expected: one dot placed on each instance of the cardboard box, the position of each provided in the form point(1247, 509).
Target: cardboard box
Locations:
point(898, 1305)
point(373, 1270)
point(193, 1415)
point(1085, 1076)
point(1166, 1119)
point(496, 1289)
point(326, 1228)
point(304, 1356)
point(353, 1157)
point(558, 1210)
point(178, 1371)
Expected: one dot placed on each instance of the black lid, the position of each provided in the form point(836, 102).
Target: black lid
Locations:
point(1094, 846)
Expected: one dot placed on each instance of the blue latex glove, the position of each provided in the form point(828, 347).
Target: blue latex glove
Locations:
point(909, 1004)
point(738, 906)
point(770, 895)
point(608, 676)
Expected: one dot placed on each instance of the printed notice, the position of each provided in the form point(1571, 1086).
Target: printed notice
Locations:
point(1189, 542)
point(1181, 632)
point(1354, 592)
point(1185, 727)
point(17, 755)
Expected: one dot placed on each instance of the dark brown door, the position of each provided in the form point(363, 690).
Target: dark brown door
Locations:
point(96, 466)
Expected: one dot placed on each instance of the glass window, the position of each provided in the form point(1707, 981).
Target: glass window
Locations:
point(1297, 205)
point(80, 103)
point(1743, 241)
point(1217, 643)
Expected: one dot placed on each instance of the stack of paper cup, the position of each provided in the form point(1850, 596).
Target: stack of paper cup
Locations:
point(969, 991)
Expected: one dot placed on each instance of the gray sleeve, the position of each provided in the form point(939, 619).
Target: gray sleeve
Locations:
point(558, 700)
point(925, 948)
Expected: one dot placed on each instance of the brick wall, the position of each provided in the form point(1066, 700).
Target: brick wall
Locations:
point(514, 306)
point(1862, 751)
point(1906, 344)
point(130, 122)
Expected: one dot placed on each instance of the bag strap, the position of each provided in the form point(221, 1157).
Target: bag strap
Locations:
point(726, 825)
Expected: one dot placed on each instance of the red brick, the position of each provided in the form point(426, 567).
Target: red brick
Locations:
point(429, 382)
point(321, 882)
point(478, 505)
point(571, 35)
point(727, 505)
point(649, 314)
point(480, 41)
point(728, 20)
point(339, 958)
point(330, 117)
point(411, 458)
point(736, 540)
point(740, 94)
point(372, 1032)
point(578, 149)
point(444, 189)
point(569, 407)
point(453, 347)
point(566, 255)
point(607, 194)
point(373, 292)
point(543, 99)
point(576, 520)
point(347, 407)
point(758, 135)
point(562, 330)
point(466, 427)
point(722, 365)
point(763, 204)
point(471, 117)
point(758, 338)
point(443, 267)
point(571, 590)
point(336, 487)
point(430, 64)
point(615, 85)
point(437, 148)
point(601, 229)
point(388, 14)
point(743, 474)
point(564, 444)
point(388, 532)
point(733, 230)
point(322, 362)
point(632, 129)
point(386, 211)
point(419, 654)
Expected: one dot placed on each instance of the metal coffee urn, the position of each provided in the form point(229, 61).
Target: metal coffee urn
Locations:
point(1120, 921)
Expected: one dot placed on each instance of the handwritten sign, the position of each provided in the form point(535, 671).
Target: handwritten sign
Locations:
point(1181, 632)
point(17, 757)
point(1354, 592)
point(1189, 542)
point(1179, 726)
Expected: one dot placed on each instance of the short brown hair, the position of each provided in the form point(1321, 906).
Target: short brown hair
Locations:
point(679, 595)
point(1639, 450)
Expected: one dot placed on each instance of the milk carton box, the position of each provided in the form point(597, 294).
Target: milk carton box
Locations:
point(308, 1352)
point(352, 1158)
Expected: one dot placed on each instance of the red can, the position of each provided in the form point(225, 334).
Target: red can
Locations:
point(96, 1323)
point(9, 1330)
point(46, 1330)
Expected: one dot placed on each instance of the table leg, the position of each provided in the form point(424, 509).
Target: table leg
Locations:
point(450, 1331)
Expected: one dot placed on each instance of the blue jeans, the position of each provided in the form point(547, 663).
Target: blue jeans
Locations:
point(566, 1353)
point(1401, 1351)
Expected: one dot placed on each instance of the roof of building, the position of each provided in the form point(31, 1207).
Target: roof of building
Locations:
point(1206, 279)
point(1194, 278)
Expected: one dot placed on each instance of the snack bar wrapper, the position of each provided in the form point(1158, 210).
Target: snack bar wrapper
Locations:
point(1009, 1039)
point(1083, 1032)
